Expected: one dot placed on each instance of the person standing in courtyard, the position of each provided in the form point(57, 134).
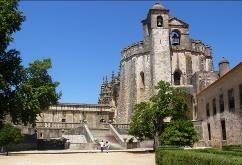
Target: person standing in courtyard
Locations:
point(101, 145)
point(107, 145)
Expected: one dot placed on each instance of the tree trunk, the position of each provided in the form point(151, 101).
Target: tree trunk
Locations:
point(6, 148)
point(1, 123)
point(158, 130)
point(156, 140)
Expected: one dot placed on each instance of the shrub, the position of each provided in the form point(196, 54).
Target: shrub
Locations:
point(192, 157)
point(220, 152)
point(10, 135)
point(179, 132)
point(232, 147)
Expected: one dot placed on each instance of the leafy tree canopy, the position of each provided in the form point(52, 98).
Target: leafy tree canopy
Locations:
point(36, 93)
point(10, 21)
point(24, 92)
point(140, 125)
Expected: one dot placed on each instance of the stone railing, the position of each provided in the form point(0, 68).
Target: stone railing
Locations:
point(117, 136)
point(57, 125)
point(121, 126)
point(88, 134)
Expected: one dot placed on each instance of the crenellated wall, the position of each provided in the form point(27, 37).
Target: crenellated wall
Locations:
point(135, 49)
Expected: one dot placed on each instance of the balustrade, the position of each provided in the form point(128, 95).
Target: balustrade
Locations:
point(57, 125)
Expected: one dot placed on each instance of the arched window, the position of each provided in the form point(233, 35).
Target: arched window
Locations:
point(159, 21)
point(175, 37)
point(142, 77)
point(177, 77)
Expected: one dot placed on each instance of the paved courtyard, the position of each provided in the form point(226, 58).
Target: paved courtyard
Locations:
point(115, 158)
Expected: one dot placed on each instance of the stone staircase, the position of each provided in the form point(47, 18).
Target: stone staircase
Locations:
point(75, 138)
point(77, 142)
point(105, 135)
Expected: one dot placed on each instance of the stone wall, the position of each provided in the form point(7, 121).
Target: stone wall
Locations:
point(232, 117)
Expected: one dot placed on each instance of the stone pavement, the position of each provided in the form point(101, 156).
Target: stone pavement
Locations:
point(68, 151)
point(97, 158)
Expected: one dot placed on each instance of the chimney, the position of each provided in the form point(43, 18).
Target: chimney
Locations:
point(223, 67)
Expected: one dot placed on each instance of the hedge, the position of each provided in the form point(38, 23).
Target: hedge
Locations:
point(220, 152)
point(189, 157)
point(232, 147)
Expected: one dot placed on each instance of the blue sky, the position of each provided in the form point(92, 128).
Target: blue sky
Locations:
point(84, 39)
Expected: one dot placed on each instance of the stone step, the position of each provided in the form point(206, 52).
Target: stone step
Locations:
point(106, 135)
point(75, 138)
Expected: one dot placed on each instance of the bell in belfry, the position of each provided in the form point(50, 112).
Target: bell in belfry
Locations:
point(159, 21)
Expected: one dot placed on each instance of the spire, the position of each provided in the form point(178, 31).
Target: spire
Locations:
point(106, 79)
point(113, 77)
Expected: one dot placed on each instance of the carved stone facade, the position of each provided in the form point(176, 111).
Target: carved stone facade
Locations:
point(167, 53)
point(67, 113)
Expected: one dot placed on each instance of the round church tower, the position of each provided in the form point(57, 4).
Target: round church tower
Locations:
point(167, 53)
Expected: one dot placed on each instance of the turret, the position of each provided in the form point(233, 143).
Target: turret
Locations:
point(223, 67)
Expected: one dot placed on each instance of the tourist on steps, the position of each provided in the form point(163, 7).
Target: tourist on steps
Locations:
point(102, 145)
point(107, 146)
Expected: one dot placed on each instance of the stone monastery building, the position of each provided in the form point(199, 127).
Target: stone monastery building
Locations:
point(166, 53)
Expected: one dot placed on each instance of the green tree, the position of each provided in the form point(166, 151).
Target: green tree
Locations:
point(10, 135)
point(10, 21)
point(35, 93)
point(139, 125)
point(11, 70)
point(179, 133)
point(169, 102)
point(24, 92)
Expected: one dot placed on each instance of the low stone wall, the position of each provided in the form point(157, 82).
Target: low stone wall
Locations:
point(29, 142)
point(51, 144)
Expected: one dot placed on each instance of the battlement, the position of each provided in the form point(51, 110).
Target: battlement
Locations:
point(199, 46)
point(133, 49)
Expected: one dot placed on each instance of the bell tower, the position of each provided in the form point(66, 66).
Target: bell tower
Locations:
point(158, 27)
